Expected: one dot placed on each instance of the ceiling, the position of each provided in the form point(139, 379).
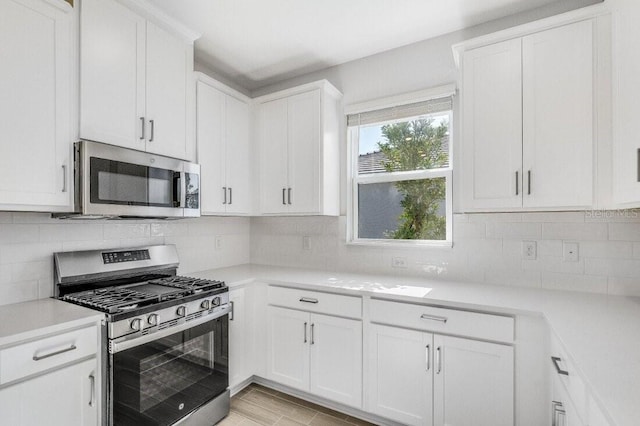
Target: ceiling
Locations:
point(255, 41)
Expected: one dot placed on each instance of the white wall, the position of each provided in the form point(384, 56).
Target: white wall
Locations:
point(28, 241)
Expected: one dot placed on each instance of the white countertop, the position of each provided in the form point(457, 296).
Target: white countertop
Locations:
point(600, 333)
point(27, 320)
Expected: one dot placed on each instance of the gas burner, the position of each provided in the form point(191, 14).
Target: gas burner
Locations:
point(187, 283)
point(112, 299)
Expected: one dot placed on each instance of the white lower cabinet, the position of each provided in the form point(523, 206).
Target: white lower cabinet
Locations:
point(239, 338)
point(419, 378)
point(316, 353)
point(36, 401)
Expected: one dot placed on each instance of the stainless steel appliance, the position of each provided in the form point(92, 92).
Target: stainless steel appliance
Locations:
point(112, 181)
point(165, 336)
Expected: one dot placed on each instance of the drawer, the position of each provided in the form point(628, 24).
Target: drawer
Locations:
point(41, 355)
point(315, 301)
point(572, 382)
point(442, 320)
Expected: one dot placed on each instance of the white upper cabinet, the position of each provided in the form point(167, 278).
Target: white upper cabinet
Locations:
point(557, 75)
point(298, 136)
point(35, 82)
point(626, 104)
point(492, 131)
point(136, 86)
point(224, 153)
point(528, 122)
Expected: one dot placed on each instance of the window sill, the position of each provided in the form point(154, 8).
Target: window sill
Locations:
point(401, 244)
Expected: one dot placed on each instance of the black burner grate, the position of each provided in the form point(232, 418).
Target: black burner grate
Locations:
point(188, 283)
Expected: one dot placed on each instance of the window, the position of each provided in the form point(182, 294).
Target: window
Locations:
point(400, 174)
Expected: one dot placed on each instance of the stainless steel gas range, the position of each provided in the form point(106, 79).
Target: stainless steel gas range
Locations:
point(165, 336)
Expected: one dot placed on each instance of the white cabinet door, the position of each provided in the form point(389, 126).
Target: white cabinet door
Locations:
point(288, 347)
point(492, 127)
point(238, 338)
point(473, 383)
point(36, 401)
point(166, 92)
point(336, 359)
point(558, 116)
point(35, 138)
point(304, 152)
point(273, 156)
point(112, 74)
point(400, 373)
point(238, 156)
point(211, 148)
point(626, 110)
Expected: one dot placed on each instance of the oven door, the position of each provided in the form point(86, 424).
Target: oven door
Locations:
point(159, 382)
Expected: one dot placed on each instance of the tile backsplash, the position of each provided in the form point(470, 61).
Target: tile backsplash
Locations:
point(28, 240)
point(487, 248)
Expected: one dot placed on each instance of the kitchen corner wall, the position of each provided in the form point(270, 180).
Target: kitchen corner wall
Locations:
point(28, 241)
point(487, 249)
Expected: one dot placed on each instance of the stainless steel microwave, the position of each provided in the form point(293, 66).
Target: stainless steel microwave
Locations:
point(111, 181)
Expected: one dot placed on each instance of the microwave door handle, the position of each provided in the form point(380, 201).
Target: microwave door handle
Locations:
point(178, 192)
point(183, 190)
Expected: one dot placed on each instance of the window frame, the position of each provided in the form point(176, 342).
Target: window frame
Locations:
point(354, 180)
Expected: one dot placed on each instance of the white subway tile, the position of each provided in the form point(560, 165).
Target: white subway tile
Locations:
point(6, 217)
point(512, 277)
point(26, 271)
point(11, 233)
point(554, 264)
point(574, 231)
point(71, 232)
point(495, 217)
point(612, 216)
point(116, 231)
point(624, 231)
point(38, 218)
point(629, 268)
point(619, 286)
point(554, 217)
point(606, 249)
point(29, 252)
point(17, 292)
point(5, 275)
point(467, 230)
point(574, 282)
point(513, 231)
point(164, 229)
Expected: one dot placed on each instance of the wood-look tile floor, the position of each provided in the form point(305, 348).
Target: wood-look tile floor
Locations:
point(259, 405)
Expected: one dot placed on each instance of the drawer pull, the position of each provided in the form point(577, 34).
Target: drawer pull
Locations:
point(308, 300)
point(556, 360)
point(61, 351)
point(433, 318)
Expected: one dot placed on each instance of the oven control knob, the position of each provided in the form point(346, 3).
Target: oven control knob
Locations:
point(153, 319)
point(205, 304)
point(136, 324)
point(216, 301)
point(181, 311)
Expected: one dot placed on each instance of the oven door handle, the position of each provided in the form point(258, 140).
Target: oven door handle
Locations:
point(132, 340)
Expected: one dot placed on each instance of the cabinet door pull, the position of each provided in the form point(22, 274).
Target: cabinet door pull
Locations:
point(153, 130)
point(433, 318)
point(305, 332)
point(284, 190)
point(428, 356)
point(439, 359)
point(308, 300)
point(92, 398)
point(556, 362)
point(554, 412)
point(230, 195)
point(224, 192)
point(64, 178)
point(143, 128)
point(312, 337)
point(61, 351)
point(289, 195)
point(231, 312)
point(529, 182)
point(517, 184)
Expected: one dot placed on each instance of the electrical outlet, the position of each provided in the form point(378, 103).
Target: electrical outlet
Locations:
point(399, 262)
point(529, 250)
point(218, 242)
point(306, 243)
point(570, 252)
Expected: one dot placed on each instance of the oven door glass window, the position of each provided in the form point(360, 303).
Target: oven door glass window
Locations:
point(160, 382)
point(116, 182)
